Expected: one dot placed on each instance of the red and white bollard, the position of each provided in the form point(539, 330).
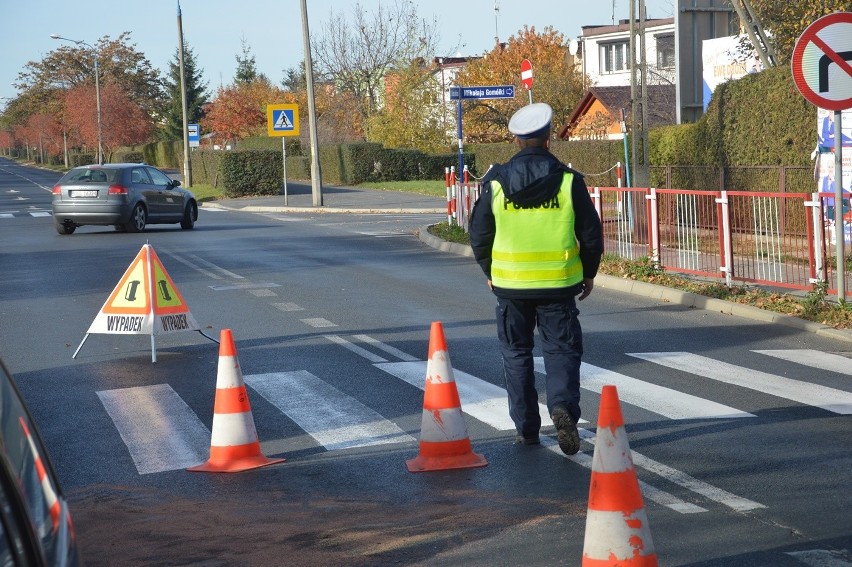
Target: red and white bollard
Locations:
point(450, 174)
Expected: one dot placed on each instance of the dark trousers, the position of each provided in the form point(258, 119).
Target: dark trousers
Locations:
point(562, 349)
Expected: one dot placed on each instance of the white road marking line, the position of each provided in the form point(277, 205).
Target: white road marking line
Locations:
point(334, 419)
point(480, 399)
point(195, 267)
point(318, 322)
point(41, 214)
point(6, 216)
point(288, 307)
point(836, 401)
point(813, 358)
point(264, 292)
point(658, 399)
point(213, 266)
point(387, 348)
point(374, 358)
point(649, 492)
point(160, 431)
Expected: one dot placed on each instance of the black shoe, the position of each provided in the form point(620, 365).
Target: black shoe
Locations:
point(521, 440)
point(566, 431)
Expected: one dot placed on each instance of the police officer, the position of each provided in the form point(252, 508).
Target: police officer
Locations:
point(535, 233)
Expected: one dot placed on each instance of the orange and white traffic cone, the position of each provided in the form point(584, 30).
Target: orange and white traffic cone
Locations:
point(617, 530)
point(50, 499)
point(444, 443)
point(234, 445)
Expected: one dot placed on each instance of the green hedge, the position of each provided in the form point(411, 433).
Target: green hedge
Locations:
point(205, 167)
point(252, 172)
point(76, 160)
point(760, 119)
point(593, 158)
point(130, 156)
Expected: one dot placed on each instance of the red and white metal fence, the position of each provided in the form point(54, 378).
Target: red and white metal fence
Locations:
point(777, 239)
point(783, 240)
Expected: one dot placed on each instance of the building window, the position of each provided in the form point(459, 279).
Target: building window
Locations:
point(665, 51)
point(613, 57)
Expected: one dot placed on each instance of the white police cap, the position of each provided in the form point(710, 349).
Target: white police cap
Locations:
point(531, 121)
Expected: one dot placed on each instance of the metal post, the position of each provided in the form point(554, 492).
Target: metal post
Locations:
point(98, 103)
point(459, 130)
point(284, 163)
point(187, 166)
point(839, 232)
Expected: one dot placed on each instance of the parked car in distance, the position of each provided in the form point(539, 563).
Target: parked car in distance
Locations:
point(34, 517)
point(128, 196)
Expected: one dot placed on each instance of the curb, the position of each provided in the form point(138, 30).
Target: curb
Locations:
point(287, 209)
point(669, 295)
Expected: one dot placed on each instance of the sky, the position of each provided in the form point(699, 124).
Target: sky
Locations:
point(272, 29)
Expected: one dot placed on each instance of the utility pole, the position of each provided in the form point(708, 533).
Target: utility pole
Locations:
point(632, 59)
point(316, 173)
point(187, 166)
point(644, 171)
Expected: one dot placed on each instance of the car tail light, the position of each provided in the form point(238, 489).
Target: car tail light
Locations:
point(57, 190)
point(117, 190)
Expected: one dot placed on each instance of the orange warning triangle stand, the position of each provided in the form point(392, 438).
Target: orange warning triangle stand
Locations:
point(145, 302)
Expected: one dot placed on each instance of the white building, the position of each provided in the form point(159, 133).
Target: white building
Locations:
point(606, 52)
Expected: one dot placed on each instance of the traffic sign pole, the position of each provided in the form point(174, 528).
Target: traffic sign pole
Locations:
point(822, 73)
point(839, 228)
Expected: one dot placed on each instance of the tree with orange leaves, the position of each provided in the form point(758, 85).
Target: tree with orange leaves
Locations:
point(556, 81)
point(123, 122)
point(239, 110)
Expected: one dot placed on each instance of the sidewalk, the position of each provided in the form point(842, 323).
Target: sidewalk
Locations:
point(299, 199)
point(370, 201)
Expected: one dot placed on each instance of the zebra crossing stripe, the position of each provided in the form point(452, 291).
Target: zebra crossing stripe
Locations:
point(820, 558)
point(487, 403)
point(160, 431)
point(830, 399)
point(355, 348)
point(41, 214)
point(334, 419)
point(6, 216)
point(814, 359)
point(658, 399)
point(386, 348)
point(649, 492)
point(480, 399)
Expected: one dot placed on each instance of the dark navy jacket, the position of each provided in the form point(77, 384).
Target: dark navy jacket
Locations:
point(530, 177)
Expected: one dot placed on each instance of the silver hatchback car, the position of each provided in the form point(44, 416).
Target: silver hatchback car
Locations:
point(128, 196)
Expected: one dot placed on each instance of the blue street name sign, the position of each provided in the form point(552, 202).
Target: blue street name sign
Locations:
point(193, 134)
point(497, 91)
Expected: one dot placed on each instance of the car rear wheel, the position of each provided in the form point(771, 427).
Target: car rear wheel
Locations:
point(190, 213)
point(63, 228)
point(138, 219)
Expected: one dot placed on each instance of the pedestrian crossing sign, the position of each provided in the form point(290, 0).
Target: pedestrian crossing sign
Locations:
point(282, 119)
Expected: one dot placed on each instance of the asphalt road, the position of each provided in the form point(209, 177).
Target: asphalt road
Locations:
point(739, 427)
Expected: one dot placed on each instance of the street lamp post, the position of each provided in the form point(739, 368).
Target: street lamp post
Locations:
point(97, 89)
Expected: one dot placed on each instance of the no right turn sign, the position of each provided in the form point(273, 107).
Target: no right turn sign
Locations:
point(821, 62)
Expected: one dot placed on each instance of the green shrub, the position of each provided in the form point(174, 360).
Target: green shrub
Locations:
point(253, 172)
point(76, 160)
point(120, 156)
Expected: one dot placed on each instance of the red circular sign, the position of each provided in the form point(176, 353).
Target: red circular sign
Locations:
point(821, 70)
point(526, 73)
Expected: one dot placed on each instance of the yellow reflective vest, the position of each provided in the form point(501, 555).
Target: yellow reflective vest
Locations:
point(535, 246)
